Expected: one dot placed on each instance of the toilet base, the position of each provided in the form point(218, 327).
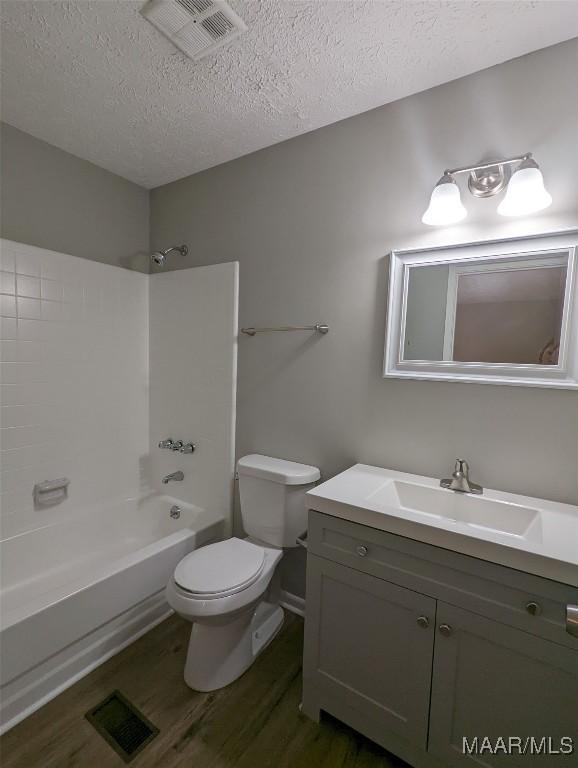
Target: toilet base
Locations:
point(219, 653)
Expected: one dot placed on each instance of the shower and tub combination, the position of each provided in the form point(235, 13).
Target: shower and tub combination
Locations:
point(95, 357)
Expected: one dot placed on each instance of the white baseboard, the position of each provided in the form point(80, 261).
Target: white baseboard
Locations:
point(292, 602)
point(27, 693)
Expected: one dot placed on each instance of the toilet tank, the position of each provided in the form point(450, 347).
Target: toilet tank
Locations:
point(272, 492)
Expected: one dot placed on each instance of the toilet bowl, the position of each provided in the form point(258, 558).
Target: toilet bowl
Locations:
point(229, 590)
point(222, 588)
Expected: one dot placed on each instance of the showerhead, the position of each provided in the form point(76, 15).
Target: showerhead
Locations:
point(160, 257)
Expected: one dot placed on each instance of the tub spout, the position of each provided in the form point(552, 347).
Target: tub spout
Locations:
point(173, 476)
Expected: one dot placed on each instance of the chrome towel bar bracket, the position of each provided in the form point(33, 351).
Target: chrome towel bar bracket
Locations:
point(319, 328)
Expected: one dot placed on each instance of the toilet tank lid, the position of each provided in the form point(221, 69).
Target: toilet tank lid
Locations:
point(277, 470)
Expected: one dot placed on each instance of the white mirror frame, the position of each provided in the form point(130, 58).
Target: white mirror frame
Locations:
point(564, 375)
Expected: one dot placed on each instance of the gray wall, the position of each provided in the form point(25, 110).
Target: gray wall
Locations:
point(311, 221)
point(57, 201)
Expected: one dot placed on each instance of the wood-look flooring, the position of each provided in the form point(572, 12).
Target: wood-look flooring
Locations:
point(253, 723)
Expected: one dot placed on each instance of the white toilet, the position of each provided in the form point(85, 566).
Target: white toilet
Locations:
point(227, 589)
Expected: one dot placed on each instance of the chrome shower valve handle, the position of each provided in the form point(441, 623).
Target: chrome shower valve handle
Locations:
point(177, 445)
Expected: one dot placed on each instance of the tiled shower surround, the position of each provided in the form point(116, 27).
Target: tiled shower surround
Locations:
point(81, 397)
point(74, 382)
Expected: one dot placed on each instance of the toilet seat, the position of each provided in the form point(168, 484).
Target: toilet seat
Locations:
point(220, 569)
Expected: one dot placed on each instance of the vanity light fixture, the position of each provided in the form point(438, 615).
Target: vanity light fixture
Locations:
point(525, 189)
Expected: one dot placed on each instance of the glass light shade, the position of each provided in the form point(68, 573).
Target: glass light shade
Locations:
point(526, 192)
point(445, 205)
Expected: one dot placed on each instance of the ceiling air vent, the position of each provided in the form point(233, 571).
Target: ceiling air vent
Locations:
point(197, 27)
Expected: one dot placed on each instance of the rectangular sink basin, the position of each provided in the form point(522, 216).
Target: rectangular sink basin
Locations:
point(528, 534)
point(501, 517)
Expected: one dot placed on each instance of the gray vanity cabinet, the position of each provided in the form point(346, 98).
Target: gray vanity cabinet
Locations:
point(418, 647)
point(491, 680)
point(371, 655)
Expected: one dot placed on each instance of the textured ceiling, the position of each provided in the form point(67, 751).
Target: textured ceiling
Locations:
point(95, 79)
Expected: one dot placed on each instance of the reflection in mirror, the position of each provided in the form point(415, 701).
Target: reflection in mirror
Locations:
point(508, 312)
point(425, 316)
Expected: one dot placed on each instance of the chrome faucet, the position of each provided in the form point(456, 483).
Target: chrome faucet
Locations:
point(178, 475)
point(460, 480)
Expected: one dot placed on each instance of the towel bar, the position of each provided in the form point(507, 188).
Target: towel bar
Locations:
point(319, 328)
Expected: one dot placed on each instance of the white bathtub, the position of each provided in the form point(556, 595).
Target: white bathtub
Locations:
point(76, 592)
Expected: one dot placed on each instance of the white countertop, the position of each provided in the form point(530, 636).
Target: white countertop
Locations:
point(547, 546)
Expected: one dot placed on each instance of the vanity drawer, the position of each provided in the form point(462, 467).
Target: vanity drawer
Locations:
point(525, 601)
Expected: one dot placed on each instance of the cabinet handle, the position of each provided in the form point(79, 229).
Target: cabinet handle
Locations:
point(534, 609)
point(423, 622)
point(445, 630)
point(572, 620)
point(361, 550)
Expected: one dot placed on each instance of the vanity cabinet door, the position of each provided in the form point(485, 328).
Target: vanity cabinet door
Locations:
point(368, 652)
point(491, 680)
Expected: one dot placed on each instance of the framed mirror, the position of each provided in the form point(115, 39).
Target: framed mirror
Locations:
point(499, 312)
